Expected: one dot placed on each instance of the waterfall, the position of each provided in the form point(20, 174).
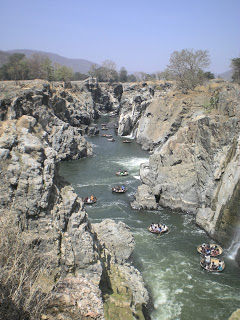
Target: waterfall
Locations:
point(235, 245)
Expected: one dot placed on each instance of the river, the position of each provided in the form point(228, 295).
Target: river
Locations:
point(179, 288)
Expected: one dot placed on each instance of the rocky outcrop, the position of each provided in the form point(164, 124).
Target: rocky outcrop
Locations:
point(64, 114)
point(235, 315)
point(134, 102)
point(194, 162)
point(123, 290)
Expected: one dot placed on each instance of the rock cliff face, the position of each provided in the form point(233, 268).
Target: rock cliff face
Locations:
point(195, 154)
point(36, 131)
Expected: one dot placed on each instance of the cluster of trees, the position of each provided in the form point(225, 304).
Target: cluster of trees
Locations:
point(185, 66)
point(108, 73)
point(37, 66)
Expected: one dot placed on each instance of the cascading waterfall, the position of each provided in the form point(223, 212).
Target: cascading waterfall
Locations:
point(235, 245)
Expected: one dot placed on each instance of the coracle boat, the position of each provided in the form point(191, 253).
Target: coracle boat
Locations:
point(119, 189)
point(158, 228)
point(212, 264)
point(90, 200)
point(210, 249)
point(106, 135)
point(122, 173)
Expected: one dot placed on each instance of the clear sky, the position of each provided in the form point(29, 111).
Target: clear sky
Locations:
point(139, 35)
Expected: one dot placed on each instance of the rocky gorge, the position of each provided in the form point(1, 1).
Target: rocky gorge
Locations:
point(193, 167)
point(89, 272)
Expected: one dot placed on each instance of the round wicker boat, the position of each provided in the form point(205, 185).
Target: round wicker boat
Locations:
point(212, 249)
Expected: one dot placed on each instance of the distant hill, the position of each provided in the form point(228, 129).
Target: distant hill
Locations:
point(77, 65)
point(226, 75)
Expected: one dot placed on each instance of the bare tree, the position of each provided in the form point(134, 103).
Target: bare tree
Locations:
point(110, 69)
point(186, 66)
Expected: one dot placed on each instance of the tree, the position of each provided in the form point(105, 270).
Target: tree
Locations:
point(186, 67)
point(16, 68)
point(131, 78)
point(48, 70)
point(141, 76)
point(109, 68)
point(93, 70)
point(63, 73)
point(123, 75)
point(209, 75)
point(79, 76)
point(235, 64)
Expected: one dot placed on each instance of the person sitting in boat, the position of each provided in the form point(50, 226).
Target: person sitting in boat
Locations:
point(208, 250)
point(164, 227)
point(215, 252)
point(208, 260)
point(153, 227)
point(86, 199)
point(123, 188)
point(92, 198)
point(214, 266)
point(159, 228)
point(220, 266)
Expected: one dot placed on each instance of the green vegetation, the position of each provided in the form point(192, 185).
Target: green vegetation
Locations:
point(235, 64)
point(37, 66)
point(212, 103)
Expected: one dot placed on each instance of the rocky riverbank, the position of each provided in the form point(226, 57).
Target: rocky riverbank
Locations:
point(90, 270)
point(195, 148)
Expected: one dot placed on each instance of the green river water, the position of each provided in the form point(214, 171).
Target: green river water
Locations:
point(169, 264)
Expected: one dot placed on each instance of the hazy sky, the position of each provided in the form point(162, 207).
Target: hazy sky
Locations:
point(139, 35)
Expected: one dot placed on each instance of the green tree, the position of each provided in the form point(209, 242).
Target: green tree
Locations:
point(79, 76)
point(235, 64)
point(186, 67)
point(47, 69)
point(123, 74)
point(209, 75)
point(16, 68)
point(131, 78)
point(63, 73)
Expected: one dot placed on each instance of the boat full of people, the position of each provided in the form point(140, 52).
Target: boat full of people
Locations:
point(210, 249)
point(119, 189)
point(158, 228)
point(106, 135)
point(212, 264)
point(90, 200)
point(122, 173)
